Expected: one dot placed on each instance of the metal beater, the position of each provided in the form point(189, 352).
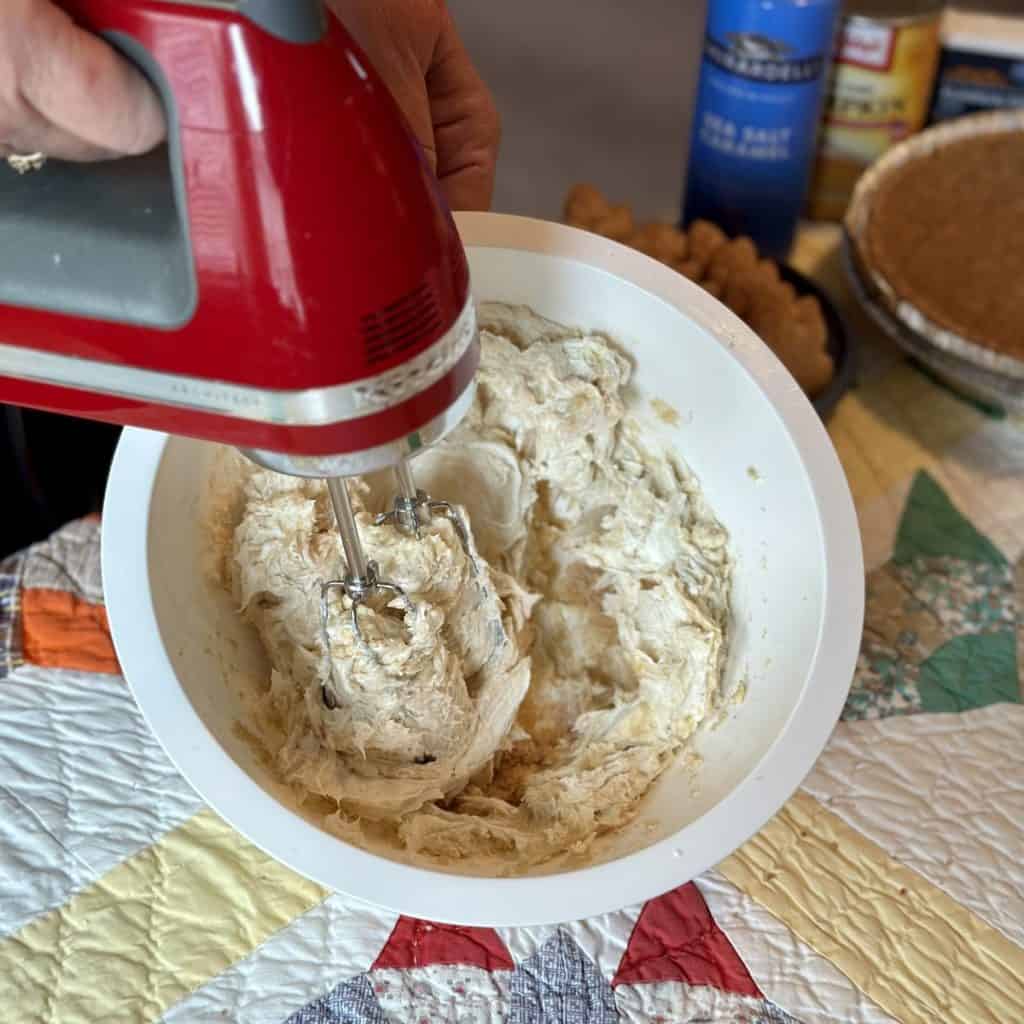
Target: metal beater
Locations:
point(413, 508)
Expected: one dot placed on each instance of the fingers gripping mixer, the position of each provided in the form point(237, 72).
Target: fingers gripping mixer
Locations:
point(283, 276)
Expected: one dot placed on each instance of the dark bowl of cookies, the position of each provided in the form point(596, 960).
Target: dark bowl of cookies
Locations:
point(790, 313)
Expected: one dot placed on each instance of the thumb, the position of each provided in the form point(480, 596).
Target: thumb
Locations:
point(88, 102)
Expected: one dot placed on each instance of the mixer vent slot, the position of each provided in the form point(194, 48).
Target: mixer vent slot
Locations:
point(401, 325)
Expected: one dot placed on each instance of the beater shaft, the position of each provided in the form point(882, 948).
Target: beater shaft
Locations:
point(355, 556)
point(411, 508)
point(406, 483)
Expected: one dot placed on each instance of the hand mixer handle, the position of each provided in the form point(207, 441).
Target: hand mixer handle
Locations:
point(284, 275)
point(111, 240)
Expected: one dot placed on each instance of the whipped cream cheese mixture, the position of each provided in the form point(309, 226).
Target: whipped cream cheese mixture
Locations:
point(546, 676)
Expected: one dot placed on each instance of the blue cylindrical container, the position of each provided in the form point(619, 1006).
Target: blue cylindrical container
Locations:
point(759, 102)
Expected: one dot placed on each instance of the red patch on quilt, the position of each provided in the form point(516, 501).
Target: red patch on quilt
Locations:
point(676, 939)
point(415, 943)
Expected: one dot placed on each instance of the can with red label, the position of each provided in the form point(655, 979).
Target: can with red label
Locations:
point(885, 66)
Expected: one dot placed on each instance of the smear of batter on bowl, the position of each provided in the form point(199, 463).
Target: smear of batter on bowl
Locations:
point(666, 413)
point(525, 706)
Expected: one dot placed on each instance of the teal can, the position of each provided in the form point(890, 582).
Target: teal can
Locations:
point(763, 78)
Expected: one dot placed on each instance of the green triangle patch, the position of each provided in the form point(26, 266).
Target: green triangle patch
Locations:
point(933, 528)
point(970, 672)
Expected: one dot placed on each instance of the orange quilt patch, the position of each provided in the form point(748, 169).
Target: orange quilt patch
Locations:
point(60, 630)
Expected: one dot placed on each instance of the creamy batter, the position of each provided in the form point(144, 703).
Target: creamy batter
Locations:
point(545, 676)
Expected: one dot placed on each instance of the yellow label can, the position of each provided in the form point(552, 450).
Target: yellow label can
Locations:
point(881, 91)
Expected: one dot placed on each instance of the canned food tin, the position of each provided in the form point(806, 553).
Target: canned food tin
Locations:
point(881, 89)
point(982, 62)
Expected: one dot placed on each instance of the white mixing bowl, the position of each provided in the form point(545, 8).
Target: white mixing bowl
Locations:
point(771, 475)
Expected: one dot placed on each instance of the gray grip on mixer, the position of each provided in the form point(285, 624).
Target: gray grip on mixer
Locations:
point(297, 21)
point(107, 241)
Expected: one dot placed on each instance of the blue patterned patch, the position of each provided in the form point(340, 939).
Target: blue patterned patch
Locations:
point(352, 1002)
point(559, 984)
point(10, 603)
point(776, 1015)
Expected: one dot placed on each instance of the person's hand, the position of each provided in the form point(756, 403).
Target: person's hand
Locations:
point(65, 93)
point(415, 48)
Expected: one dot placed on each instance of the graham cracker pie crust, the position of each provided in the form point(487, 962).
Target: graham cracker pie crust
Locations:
point(946, 232)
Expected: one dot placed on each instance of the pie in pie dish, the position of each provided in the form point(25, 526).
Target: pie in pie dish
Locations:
point(944, 233)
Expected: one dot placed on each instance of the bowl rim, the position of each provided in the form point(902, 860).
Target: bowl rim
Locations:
point(546, 899)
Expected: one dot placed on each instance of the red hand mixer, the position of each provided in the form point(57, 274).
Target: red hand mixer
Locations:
point(283, 276)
